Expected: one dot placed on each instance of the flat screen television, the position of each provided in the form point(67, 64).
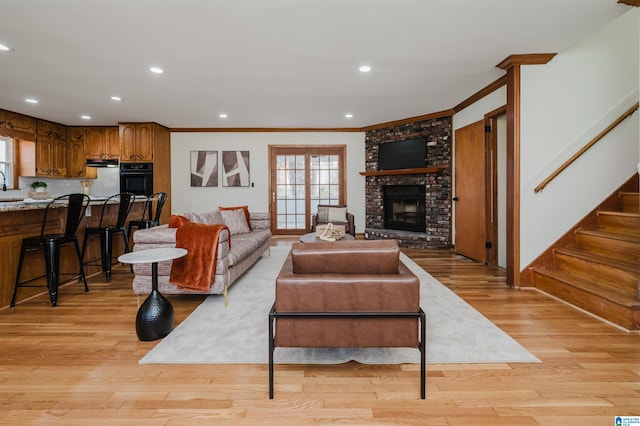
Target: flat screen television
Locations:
point(406, 154)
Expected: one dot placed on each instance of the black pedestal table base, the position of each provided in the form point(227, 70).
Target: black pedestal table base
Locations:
point(155, 316)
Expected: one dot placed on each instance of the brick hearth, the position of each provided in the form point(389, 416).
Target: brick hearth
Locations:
point(437, 185)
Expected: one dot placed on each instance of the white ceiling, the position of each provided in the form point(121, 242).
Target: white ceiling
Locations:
point(270, 63)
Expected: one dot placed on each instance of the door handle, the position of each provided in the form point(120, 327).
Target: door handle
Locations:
point(455, 199)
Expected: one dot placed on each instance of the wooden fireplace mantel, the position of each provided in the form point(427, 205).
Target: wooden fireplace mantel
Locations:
point(418, 171)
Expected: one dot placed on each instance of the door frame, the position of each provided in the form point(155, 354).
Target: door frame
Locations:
point(491, 205)
point(307, 150)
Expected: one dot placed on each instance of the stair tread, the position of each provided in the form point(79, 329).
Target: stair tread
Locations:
point(596, 258)
point(614, 295)
point(612, 235)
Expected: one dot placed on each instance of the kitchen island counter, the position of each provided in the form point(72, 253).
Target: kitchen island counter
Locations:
point(19, 220)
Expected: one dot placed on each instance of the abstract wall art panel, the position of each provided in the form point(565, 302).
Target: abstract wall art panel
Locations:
point(204, 168)
point(235, 168)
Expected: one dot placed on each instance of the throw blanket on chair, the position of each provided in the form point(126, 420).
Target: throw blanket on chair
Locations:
point(196, 270)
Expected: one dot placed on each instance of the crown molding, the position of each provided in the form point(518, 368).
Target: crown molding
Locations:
point(262, 129)
point(489, 88)
point(440, 114)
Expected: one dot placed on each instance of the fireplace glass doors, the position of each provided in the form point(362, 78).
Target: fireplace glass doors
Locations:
point(404, 207)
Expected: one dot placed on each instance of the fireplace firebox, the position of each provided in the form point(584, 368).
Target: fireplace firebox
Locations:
point(404, 207)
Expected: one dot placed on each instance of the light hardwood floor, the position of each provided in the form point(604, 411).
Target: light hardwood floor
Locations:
point(77, 364)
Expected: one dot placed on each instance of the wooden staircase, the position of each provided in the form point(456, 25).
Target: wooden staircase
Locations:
point(600, 271)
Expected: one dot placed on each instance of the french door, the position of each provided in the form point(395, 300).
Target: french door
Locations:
point(301, 177)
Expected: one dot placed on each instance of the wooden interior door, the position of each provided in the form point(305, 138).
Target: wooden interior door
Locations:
point(470, 192)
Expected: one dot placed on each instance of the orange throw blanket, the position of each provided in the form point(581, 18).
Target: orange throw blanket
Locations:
point(196, 270)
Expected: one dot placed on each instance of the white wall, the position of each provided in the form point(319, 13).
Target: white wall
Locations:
point(477, 110)
point(564, 104)
point(185, 198)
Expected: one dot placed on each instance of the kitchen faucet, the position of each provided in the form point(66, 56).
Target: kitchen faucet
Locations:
point(4, 181)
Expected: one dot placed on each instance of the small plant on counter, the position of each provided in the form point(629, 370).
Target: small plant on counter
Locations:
point(39, 186)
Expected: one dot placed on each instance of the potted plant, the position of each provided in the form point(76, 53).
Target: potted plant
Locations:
point(39, 186)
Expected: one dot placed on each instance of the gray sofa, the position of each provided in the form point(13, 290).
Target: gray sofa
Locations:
point(246, 249)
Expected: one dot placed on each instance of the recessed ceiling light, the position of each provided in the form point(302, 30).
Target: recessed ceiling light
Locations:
point(116, 98)
point(223, 115)
point(364, 68)
point(348, 116)
point(31, 101)
point(156, 70)
point(4, 48)
point(85, 117)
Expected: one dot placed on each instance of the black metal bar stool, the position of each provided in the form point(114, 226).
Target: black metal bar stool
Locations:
point(150, 219)
point(106, 232)
point(50, 243)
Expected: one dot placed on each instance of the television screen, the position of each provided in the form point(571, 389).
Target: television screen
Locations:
point(407, 154)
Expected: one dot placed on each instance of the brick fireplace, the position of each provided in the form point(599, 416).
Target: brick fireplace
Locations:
point(436, 184)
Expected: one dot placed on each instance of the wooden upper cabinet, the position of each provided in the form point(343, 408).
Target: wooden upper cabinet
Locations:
point(51, 149)
point(76, 135)
point(53, 130)
point(127, 142)
point(144, 142)
point(136, 142)
point(3, 119)
point(51, 157)
point(101, 143)
point(22, 124)
point(112, 143)
point(94, 142)
point(76, 156)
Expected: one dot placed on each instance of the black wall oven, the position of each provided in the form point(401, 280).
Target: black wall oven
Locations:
point(136, 178)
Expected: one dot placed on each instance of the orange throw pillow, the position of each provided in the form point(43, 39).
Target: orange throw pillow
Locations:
point(246, 212)
point(176, 221)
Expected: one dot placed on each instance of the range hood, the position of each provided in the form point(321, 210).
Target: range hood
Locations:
point(107, 162)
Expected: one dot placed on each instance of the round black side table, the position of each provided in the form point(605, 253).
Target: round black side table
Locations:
point(155, 316)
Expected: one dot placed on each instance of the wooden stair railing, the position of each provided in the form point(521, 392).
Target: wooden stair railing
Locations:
point(584, 149)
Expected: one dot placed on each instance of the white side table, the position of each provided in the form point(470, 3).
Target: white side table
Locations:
point(155, 316)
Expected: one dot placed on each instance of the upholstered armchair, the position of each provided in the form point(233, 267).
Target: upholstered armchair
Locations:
point(352, 294)
point(337, 215)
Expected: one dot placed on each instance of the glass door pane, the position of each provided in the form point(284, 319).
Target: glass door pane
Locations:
point(325, 180)
point(290, 191)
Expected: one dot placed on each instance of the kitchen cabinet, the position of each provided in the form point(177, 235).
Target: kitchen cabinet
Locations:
point(76, 155)
point(16, 125)
point(101, 143)
point(137, 142)
point(20, 123)
point(149, 143)
point(112, 142)
point(51, 149)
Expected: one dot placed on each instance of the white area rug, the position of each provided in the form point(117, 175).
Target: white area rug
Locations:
point(238, 334)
